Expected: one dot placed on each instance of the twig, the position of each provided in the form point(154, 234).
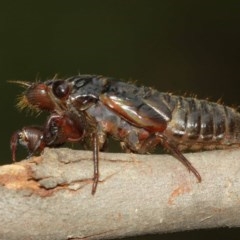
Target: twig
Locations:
point(49, 197)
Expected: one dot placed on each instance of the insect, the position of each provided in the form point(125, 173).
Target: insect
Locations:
point(139, 117)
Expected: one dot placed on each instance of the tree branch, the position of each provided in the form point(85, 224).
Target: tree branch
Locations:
point(49, 197)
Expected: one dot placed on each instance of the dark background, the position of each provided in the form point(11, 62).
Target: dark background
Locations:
point(176, 46)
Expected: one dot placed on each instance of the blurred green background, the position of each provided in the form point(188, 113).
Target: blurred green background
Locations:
point(176, 46)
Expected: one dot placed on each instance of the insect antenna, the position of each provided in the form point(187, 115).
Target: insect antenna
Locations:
point(21, 83)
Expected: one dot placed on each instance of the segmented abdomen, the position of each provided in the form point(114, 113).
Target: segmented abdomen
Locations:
point(200, 124)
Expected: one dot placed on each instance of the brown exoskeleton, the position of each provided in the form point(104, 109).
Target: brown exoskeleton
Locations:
point(139, 117)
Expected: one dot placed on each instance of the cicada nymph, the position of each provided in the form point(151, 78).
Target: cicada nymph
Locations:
point(141, 118)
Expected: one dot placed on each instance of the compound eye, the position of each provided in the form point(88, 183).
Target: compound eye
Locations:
point(60, 89)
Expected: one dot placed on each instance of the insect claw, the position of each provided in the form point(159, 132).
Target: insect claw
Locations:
point(13, 144)
point(95, 183)
point(95, 162)
point(30, 155)
point(178, 155)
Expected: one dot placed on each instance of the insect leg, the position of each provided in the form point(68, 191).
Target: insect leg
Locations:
point(30, 137)
point(36, 146)
point(14, 144)
point(95, 162)
point(178, 155)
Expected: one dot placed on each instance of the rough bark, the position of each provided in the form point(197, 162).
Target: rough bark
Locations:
point(49, 197)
